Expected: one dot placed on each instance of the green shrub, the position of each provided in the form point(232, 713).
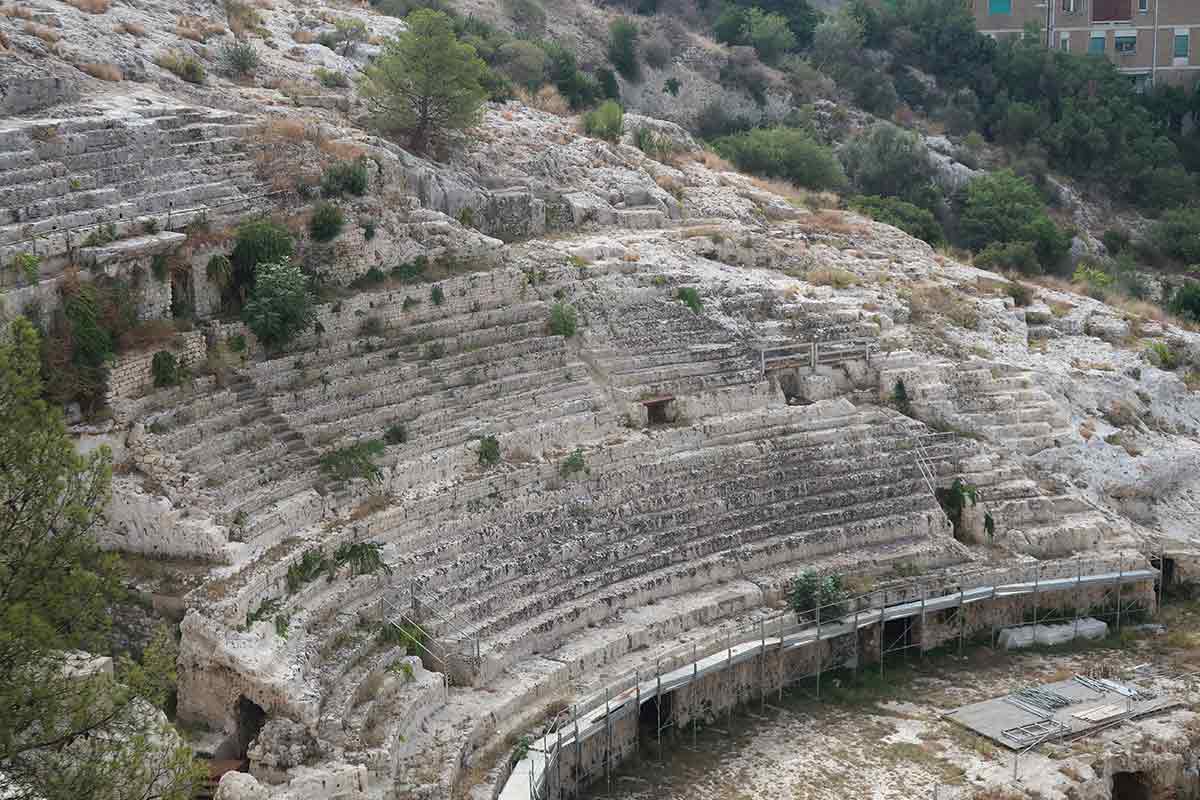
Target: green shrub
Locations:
point(954, 499)
point(671, 86)
point(789, 153)
point(1177, 235)
point(1014, 256)
point(363, 558)
point(345, 177)
point(528, 16)
point(562, 70)
point(622, 48)
point(354, 461)
point(810, 590)
point(563, 320)
point(282, 623)
point(1186, 301)
point(327, 222)
point(258, 242)
point(888, 161)
point(1115, 241)
point(437, 295)
point(606, 79)
point(656, 145)
point(573, 464)
point(186, 67)
point(307, 569)
point(397, 433)
point(331, 79)
point(411, 271)
point(238, 58)
point(909, 218)
point(219, 271)
point(27, 265)
point(101, 235)
point(523, 62)
point(605, 122)
point(160, 267)
point(1003, 208)
point(690, 297)
point(769, 35)
point(281, 305)
point(347, 33)
point(489, 450)
point(1162, 356)
point(165, 369)
point(1021, 294)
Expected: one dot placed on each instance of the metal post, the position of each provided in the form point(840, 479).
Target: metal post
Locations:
point(1078, 590)
point(607, 744)
point(695, 669)
point(1037, 587)
point(1162, 574)
point(921, 641)
point(992, 606)
point(729, 672)
point(818, 647)
point(1120, 580)
point(637, 740)
point(658, 705)
point(879, 633)
point(578, 751)
point(856, 647)
point(962, 622)
point(762, 667)
point(558, 762)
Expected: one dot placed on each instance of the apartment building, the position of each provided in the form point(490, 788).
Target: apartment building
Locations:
point(1153, 41)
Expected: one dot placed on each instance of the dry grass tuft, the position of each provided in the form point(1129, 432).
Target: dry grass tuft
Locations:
point(713, 161)
point(198, 29)
point(374, 503)
point(342, 151)
point(546, 99)
point(91, 6)
point(19, 12)
point(242, 17)
point(105, 72)
point(304, 37)
point(48, 35)
point(4, 43)
point(928, 303)
point(132, 28)
point(832, 276)
point(797, 195)
point(831, 221)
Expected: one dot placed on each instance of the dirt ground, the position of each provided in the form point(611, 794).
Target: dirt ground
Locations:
point(885, 739)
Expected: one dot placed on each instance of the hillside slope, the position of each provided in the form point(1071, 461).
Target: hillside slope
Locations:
point(653, 479)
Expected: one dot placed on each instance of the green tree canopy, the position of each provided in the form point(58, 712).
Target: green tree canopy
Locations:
point(789, 153)
point(425, 82)
point(66, 734)
point(1003, 208)
point(281, 305)
point(888, 161)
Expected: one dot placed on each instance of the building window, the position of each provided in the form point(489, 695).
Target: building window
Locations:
point(1071, 6)
point(1064, 42)
point(999, 6)
point(1096, 44)
point(1112, 10)
point(1125, 43)
point(1143, 6)
point(1183, 45)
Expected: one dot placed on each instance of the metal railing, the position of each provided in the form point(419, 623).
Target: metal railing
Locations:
point(445, 634)
point(809, 355)
point(595, 715)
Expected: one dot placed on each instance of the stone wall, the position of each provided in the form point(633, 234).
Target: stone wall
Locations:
point(132, 376)
point(138, 521)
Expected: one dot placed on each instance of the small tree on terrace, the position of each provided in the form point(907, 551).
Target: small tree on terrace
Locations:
point(426, 82)
point(281, 305)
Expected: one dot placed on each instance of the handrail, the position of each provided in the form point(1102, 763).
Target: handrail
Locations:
point(810, 353)
point(620, 694)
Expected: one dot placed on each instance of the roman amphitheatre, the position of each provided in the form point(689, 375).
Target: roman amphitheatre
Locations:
point(594, 411)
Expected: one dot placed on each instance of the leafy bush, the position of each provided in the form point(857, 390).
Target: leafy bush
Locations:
point(714, 120)
point(345, 177)
point(605, 122)
point(1186, 301)
point(1115, 241)
point(909, 218)
point(690, 297)
point(326, 223)
point(437, 295)
point(165, 369)
point(489, 450)
point(954, 499)
point(606, 79)
point(1021, 294)
point(887, 161)
point(354, 461)
point(900, 398)
point(346, 35)
point(258, 242)
point(186, 67)
point(238, 58)
point(397, 433)
point(810, 590)
point(656, 145)
point(1003, 208)
point(1162, 356)
point(563, 320)
point(1018, 256)
point(27, 265)
point(1177, 235)
point(789, 153)
point(657, 51)
point(562, 70)
point(331, 79)
point(622, 48)
point(528, 16)
point(523, 62)
point(281, 305)
point(573, 464)
point(363, 558)
point(307, 569)
point(769, 35)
